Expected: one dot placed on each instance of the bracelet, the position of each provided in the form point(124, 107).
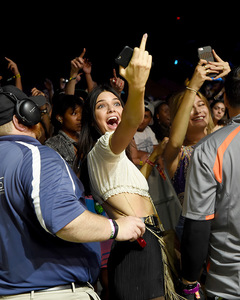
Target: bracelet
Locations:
point(140, 163)
point(114, 229)
point(161, 172)
point(191, 288)
point(191, 89)
point(150, 162)
point(17, 76)
point(72, 78)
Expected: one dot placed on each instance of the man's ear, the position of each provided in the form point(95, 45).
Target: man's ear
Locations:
point(19, 126)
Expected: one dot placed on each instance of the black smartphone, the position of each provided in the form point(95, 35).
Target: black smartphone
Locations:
point(205, 53)
point(124, 57)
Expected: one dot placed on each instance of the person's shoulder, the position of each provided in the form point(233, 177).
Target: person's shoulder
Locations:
point(148, 129)
point(53, 140)
point(103, 141)
point(217, 137)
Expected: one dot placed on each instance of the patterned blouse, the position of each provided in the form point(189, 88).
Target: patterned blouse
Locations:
point(179, 178)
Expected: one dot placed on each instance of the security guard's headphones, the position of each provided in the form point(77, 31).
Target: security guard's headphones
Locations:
point(26, 110)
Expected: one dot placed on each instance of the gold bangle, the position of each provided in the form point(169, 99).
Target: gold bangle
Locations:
point(191, 89)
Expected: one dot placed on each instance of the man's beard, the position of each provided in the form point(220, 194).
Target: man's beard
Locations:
point(38, 131)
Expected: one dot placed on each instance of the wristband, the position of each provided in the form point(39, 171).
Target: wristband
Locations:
point(72, 78)
point(17, 76)
point(161, 172)
point(191, 288)
point(150, 162)
point(114, 229)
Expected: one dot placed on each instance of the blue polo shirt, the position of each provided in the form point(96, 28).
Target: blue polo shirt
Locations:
point(39, 195)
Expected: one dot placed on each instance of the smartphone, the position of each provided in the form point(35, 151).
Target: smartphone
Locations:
point(205, 53)
point(124, 57)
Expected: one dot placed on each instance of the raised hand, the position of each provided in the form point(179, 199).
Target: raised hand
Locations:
point(116, 82)
point(77, 63)
point(137, 72)
point(219, 65)
point(12, 66)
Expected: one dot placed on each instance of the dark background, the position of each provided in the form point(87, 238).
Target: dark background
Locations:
point(43, 38)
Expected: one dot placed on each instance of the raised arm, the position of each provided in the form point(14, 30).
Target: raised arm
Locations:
point(154, 158)
point(76, 65)
point(14, 68)
point(181, 120)
point(87, 69)
point(136, 74)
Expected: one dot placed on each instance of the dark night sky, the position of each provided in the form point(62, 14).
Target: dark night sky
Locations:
point(44, 39)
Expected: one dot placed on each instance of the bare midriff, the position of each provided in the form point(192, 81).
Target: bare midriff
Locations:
point(128, 204)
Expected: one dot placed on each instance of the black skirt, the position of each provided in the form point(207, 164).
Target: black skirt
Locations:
point(136, 273)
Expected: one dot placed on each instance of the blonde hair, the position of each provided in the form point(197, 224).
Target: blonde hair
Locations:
point(6, 129)
point(176, 100)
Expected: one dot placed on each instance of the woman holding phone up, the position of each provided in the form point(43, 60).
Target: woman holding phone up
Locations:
point(135, 271)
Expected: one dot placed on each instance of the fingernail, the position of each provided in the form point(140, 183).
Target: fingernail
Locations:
point(145, 35)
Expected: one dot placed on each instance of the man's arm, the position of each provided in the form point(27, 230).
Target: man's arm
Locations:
point(14, 68)
point(76, 65)
point(89, 227)
point(194, 248)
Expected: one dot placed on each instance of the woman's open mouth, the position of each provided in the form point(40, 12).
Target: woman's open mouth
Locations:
point(113, 122)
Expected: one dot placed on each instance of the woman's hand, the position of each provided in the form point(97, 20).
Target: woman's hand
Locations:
point(219, 65)
point(200, 74)
point(137, 72)
point(117, 83)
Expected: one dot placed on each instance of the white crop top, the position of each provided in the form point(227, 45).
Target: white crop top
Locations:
point(111, 174)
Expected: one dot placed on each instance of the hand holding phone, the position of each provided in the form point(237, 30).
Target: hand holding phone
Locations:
point(220, 67)
point(207, 54)
point(124, 57)
point(137, 72)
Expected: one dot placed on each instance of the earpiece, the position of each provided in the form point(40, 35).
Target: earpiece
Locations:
point(60, 119)
point(26, 110)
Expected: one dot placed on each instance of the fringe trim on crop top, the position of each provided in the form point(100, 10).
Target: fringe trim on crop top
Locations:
point(124, 189)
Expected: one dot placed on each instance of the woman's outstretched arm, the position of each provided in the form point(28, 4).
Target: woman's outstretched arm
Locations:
point(136, 74)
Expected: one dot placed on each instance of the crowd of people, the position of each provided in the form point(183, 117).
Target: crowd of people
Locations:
point(91, 186)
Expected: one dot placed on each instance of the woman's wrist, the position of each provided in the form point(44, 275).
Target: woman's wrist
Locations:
point(186, 282)
point(191, 89)
point(136, 89)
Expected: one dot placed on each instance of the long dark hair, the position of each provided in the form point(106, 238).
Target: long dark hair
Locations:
point(89, 133)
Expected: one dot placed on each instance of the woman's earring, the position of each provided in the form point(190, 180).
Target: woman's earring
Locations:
point(60, 120)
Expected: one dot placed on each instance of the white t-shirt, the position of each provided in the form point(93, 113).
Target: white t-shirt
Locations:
point(145, 140)
point(111, 174)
